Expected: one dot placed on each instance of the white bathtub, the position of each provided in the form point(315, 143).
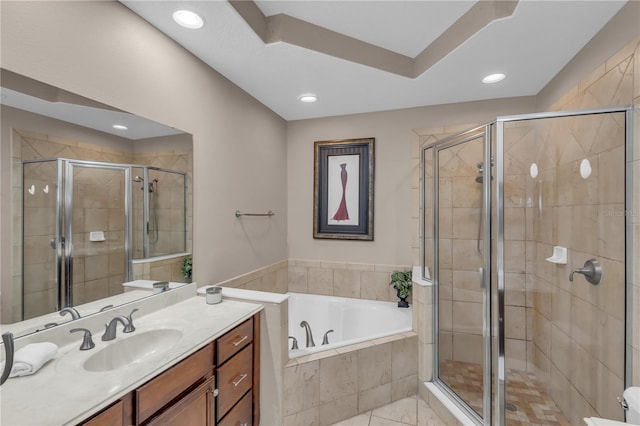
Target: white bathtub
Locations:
point(353, 321)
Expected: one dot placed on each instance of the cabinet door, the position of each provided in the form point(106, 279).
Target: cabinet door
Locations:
point(160, 391)
point(112, 416)
point(195, 408)
point(120, 413)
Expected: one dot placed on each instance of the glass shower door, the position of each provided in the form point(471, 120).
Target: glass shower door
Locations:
point(40, 241)
point(96, 211)
point(462, 266)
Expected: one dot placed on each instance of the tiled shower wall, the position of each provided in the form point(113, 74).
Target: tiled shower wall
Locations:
point(169, 199)
point(99, 273)
point(578, 328)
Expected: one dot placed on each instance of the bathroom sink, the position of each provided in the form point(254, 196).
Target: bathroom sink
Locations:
point(132, 349)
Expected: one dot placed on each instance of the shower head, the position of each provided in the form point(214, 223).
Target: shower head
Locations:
point(137, 179)
point(480, 166)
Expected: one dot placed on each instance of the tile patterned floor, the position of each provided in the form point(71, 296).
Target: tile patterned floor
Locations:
point(534, 405)
point(411, 411)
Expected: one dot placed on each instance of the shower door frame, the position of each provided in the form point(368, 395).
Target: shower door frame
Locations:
point(66, 260)
point(484, 132)
point(500, 220)
point(498, 124)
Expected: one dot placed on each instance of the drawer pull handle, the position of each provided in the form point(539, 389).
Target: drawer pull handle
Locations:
point(237, 342)
point(243, 424)
point(242, 377)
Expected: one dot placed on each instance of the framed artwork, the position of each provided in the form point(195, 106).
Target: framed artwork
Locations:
point(343, 189)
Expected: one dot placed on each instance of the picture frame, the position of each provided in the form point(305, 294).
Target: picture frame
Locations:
point(343, 189)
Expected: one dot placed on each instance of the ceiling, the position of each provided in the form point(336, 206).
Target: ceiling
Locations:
point(348, 53)
point(101, 119)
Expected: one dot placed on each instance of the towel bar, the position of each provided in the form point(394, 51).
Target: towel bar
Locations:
point(269, 213)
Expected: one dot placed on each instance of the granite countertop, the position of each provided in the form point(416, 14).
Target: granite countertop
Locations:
point(63, 392)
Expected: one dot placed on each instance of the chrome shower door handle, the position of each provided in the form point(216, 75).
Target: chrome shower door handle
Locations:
point(592, 271)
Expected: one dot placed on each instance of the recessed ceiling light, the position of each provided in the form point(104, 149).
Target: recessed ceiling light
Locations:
point(493, 78)
point(307, 98)
point(120, 127)
point(188, 19)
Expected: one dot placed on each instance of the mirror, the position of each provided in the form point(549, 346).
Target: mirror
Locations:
point(100, 197)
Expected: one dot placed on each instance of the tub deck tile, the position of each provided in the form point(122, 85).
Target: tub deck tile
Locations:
point(354, 347)
point(316, 356)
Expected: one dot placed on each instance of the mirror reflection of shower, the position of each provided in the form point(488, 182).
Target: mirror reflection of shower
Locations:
point(152, 225)
point(480, 179)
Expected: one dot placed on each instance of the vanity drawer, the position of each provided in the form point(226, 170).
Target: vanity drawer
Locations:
point(158, 392)
point(241, 414)
point(235, 378)
point(234, 340)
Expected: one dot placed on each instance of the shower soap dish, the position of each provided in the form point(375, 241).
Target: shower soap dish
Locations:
point(559, 255)
point(96, 236)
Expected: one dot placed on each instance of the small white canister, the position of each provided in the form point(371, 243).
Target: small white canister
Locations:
point(213, 295)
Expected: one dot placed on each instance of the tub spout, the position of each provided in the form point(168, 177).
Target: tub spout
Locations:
point(325, 339)
point(307, 330)
point(295, 343)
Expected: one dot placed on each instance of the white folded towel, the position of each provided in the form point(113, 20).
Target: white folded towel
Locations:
point(32, 357)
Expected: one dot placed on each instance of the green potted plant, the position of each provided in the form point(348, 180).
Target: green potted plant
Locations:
point(401, 281)
point(186, 268)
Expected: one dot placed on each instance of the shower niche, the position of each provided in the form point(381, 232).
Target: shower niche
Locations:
point(83, 222)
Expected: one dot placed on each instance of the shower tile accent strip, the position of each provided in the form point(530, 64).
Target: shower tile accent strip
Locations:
point(330, 386)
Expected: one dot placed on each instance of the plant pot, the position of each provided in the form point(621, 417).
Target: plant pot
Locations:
point(402, 303)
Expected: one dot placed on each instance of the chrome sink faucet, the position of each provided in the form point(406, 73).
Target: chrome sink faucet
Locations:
point(110, 328)
point(126, 321)
point(69, 310)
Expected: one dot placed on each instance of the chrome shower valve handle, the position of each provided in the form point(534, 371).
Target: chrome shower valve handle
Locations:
point(592, 271)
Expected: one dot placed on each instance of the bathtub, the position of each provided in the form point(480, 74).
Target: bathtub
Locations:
point(353, 321)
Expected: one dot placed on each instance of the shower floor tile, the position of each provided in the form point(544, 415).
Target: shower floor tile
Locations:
point(524, 391)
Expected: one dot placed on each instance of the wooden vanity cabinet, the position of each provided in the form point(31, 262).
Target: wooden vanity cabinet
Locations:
point(217, 385)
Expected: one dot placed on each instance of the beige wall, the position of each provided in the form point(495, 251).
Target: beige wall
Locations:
point(393, 208)
point(120, 60)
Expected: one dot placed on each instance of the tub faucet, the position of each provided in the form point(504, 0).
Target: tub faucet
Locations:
point(325, 339)
point(110, 328)
point(307, 330)
point(69, 310)
point(295, 343)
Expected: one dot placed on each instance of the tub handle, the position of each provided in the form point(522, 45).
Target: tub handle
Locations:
point(242, 377)
point(295, 343)
point(325, 339)
point(237, 342)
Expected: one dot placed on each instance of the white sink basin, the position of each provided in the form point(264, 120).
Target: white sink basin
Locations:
point(132, 349)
